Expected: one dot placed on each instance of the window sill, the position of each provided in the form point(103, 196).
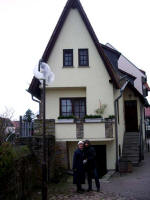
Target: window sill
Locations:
point(67, 66)
point(86, 66)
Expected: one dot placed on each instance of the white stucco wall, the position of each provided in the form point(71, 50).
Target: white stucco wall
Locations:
point(121, 123)
point(95, 78)
point(54, 94)
point(91, 82)
point(92, 131)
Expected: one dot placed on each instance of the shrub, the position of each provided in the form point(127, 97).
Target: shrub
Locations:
point(67, 117)
point(93, 116)
point(16, 172)
point(6, 162)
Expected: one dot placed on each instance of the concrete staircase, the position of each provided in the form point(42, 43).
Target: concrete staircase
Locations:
point(130, 150)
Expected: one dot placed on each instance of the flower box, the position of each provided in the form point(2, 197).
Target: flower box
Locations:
point(65, 120)
point(92, 120)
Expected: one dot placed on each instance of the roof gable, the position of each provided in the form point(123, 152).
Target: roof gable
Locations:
point(75, 4)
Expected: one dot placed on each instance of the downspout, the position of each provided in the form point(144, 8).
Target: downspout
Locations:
point(116, 122)
point(35, 99)
point(37, 102)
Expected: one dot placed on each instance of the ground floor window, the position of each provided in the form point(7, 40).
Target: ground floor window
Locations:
point(73, 106)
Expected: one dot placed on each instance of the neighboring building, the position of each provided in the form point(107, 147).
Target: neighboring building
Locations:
point(147, 121)
point(6, 126)
point(87, 78)
point(16, 124)
point(125, 65)
point(147, 112)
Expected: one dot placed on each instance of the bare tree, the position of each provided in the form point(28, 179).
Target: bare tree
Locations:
point(5, 121)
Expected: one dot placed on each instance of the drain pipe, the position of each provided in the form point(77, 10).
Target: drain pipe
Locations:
point(116, 122)
point(35, 99)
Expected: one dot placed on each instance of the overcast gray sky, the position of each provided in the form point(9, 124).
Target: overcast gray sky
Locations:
point(26, 26)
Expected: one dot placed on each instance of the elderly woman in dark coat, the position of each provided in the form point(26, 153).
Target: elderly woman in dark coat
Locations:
point(78, 168)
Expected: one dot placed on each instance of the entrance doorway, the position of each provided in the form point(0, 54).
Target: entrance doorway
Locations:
point(131, 120)
point(100, 159)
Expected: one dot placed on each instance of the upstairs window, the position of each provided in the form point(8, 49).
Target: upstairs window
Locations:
point(83, 57)
point(73, 106)
point(68, 57)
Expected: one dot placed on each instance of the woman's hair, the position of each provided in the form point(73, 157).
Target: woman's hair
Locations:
point(88, 142)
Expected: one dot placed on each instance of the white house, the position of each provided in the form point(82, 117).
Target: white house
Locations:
point(86, 81)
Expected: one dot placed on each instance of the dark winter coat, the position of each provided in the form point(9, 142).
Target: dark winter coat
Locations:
point(90, 155)
point(78, 168)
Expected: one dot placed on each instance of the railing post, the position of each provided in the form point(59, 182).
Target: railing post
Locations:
point(20, 131)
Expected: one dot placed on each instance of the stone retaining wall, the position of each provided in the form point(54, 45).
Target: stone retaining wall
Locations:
point(56, 152)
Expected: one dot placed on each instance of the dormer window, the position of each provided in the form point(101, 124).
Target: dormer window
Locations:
point(68, 57)
point(83, 57)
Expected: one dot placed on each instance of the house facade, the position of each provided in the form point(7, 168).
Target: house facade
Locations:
point(86, 81)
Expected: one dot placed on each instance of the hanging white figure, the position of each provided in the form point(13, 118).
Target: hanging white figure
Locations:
point(45, 73)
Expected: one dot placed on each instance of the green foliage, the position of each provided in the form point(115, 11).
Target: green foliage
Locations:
point(111, 116)
point(2, 130)
point(67, 117)
point(8, 156)
point(101, 109)
point(29, 116)
point(17, 172)
point(6, 161)
point(92, 116)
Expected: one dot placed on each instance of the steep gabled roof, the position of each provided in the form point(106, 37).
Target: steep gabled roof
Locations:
point(72, 4)
point(111, 49)
point(125, 73)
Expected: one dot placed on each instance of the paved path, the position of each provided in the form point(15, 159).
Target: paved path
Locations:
point(135, 185)
point(131, 186)
point(88, 196)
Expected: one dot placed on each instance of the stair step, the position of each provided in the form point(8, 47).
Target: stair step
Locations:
point(126, 147)
point(131, 135)
point(132, 144)
point(130, 157)
point(131, 138)
point(131, 141)
point(131, 147)
point(130, 152)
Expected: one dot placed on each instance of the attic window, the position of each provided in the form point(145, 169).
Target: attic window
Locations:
point(83, 57)
point(68, 57)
